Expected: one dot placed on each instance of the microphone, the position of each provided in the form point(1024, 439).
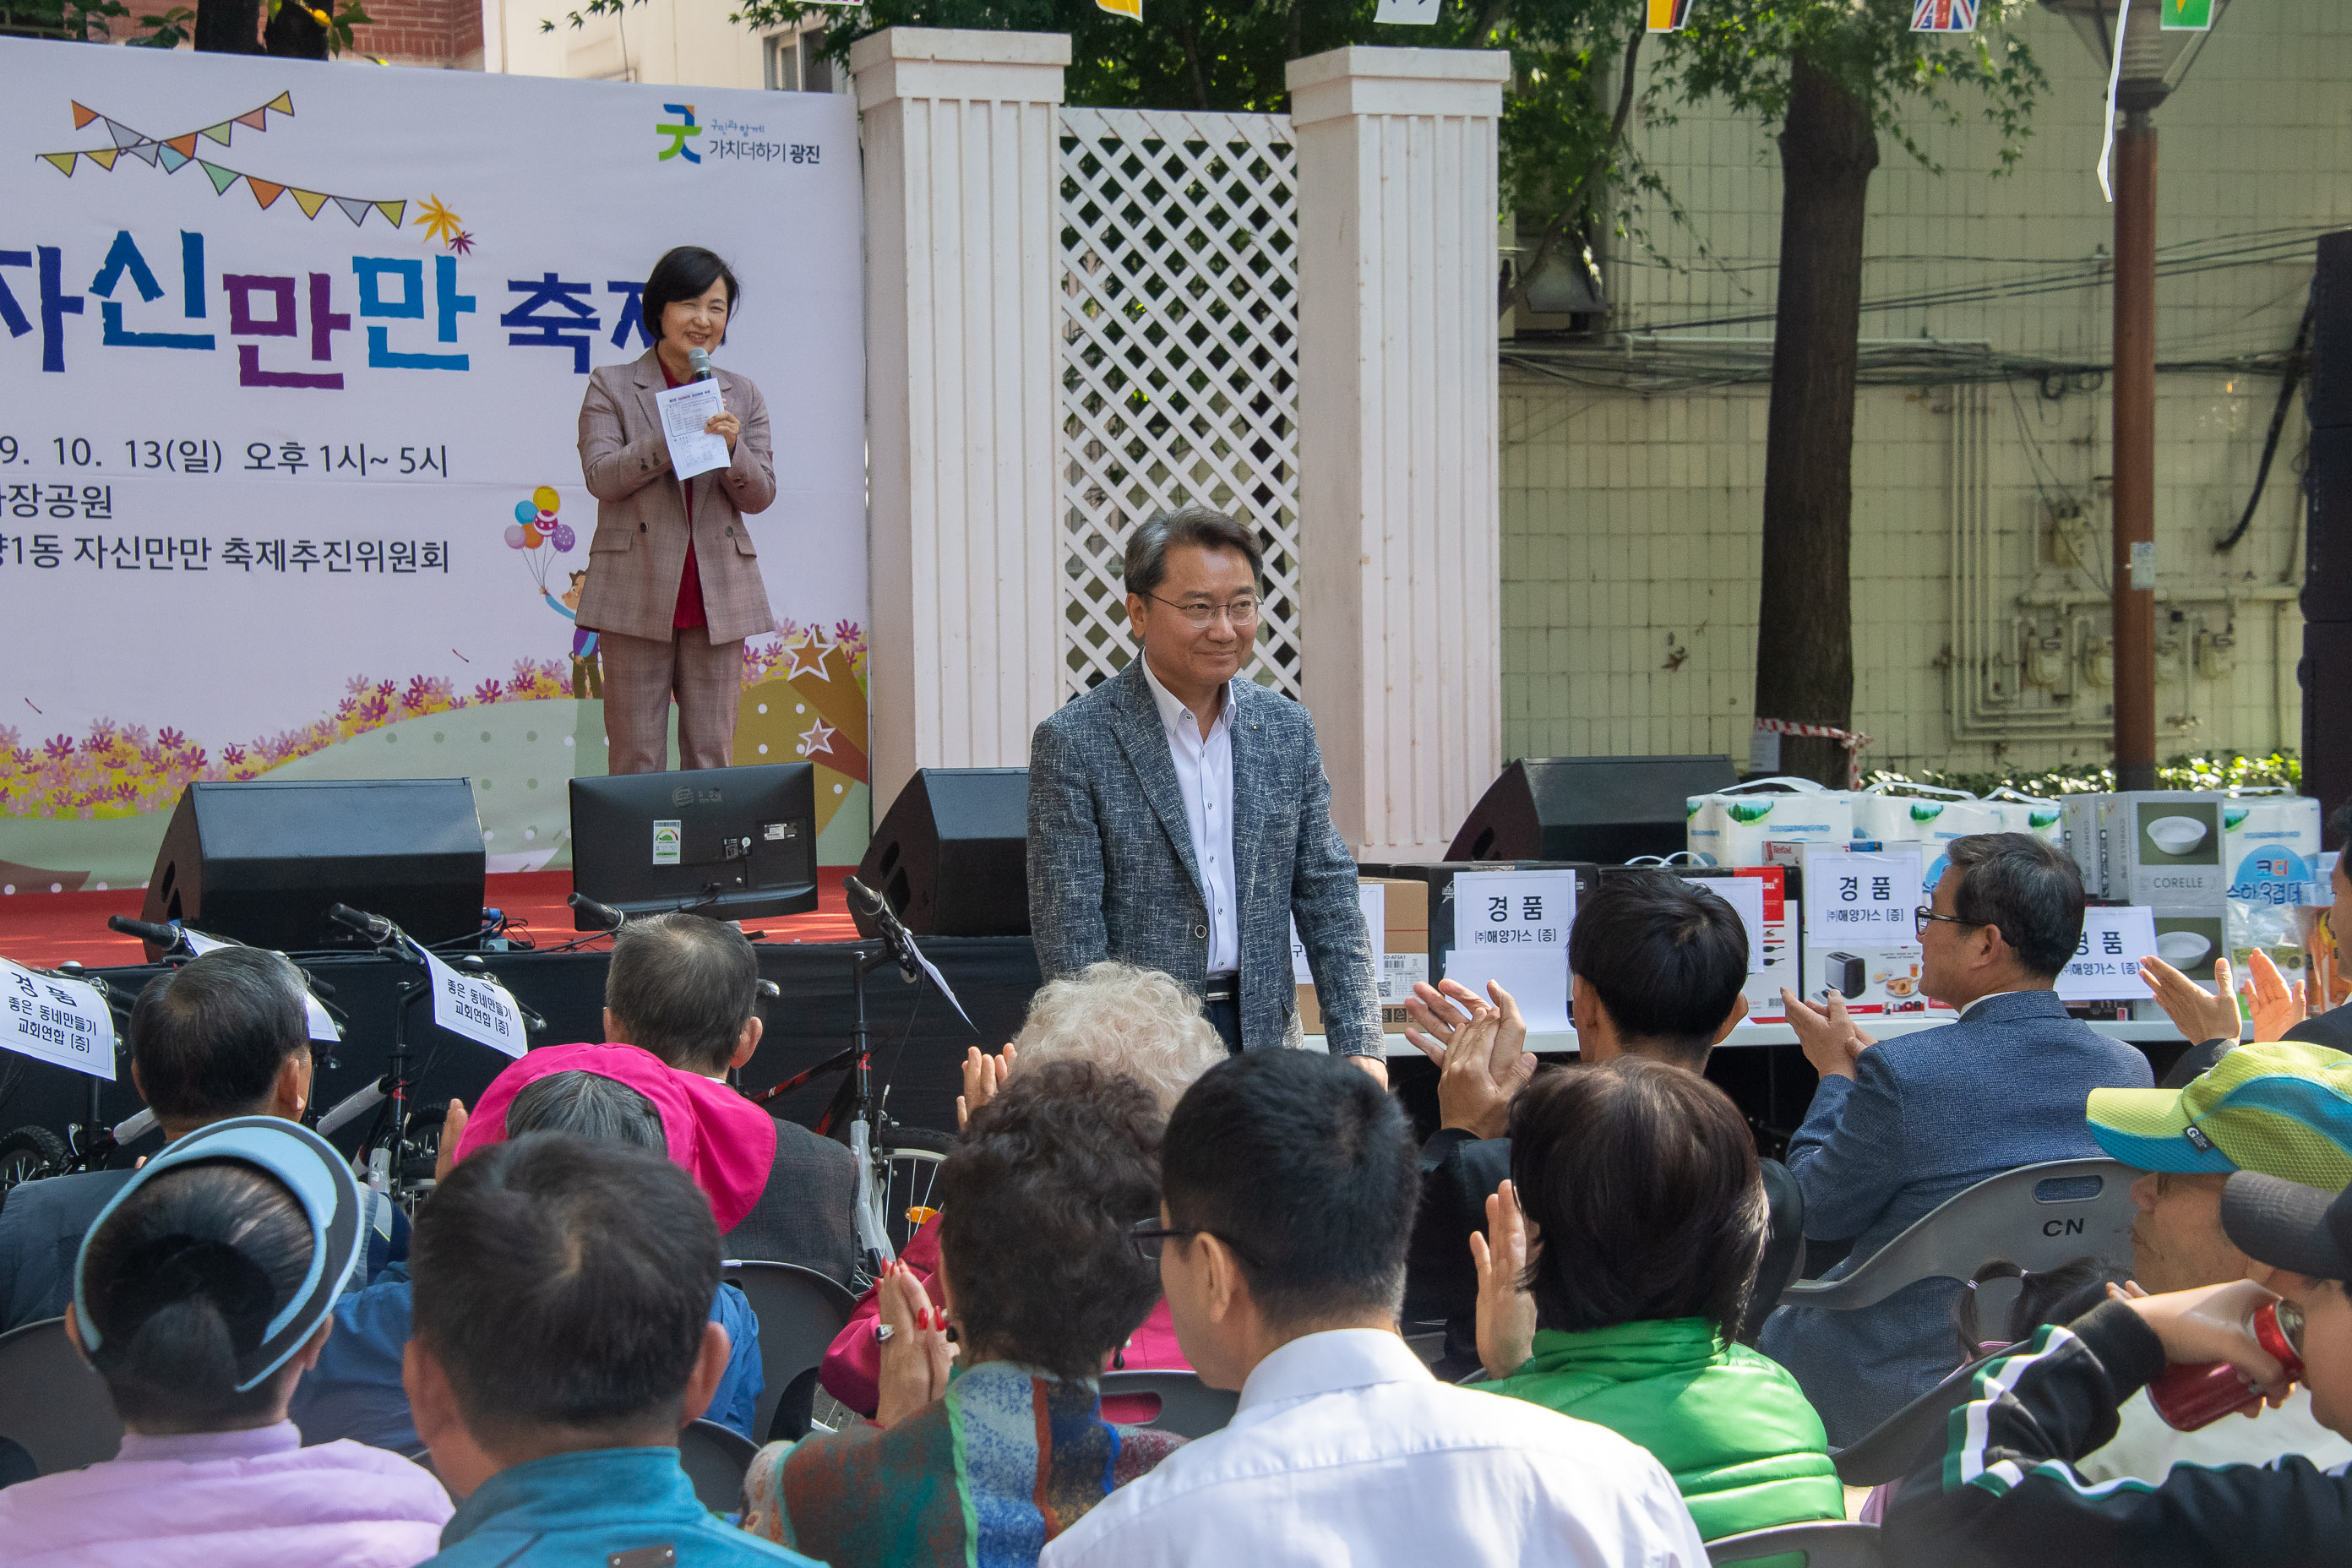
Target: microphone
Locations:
point(698, 362)
point(375, 928)
point(162, 936)
point(604, 915)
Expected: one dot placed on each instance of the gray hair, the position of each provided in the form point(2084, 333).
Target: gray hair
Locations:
point(2028, 889)
point(1124, 1019)
point(1202, 527)
point(209, 1037)
point(590, 1105)
point(683, 986)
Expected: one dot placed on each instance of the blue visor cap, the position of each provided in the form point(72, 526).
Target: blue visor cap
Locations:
point(324, 1187)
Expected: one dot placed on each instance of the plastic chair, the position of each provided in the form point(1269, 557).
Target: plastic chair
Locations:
point(801, 1311)
point(714, 1458)
point(2041, 1217)
point(1188, 1407)
point(51, 1403)
point(1828, 1545)
point(1892, 1449)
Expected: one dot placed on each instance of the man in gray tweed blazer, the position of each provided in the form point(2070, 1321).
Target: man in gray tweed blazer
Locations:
point(1179, 818)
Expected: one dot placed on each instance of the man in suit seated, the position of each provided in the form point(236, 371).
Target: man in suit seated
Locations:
point(1655, 968)
point(688, 989)
point(1895, 1128)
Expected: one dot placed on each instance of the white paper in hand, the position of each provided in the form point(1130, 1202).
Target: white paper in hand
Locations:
point(1537, 978)
point(62, 1022)
point(322, 1025)
point(685, 410)
point(2105, 965)
point(476, 1006)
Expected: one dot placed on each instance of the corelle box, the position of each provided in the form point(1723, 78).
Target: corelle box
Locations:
point(2081, 821)
point(2192, 851)
point(1405, 954)
point(1732, 826)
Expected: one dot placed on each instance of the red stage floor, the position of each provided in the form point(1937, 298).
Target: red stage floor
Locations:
point(48, 929)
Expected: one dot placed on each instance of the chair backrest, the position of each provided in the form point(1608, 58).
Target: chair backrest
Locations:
point(1188, 1407)
point(714, 1458)
point(800, 1313)
point(1825, 1546)
point(1892, 1449)
point(2041, 1217)
point(51, 1403)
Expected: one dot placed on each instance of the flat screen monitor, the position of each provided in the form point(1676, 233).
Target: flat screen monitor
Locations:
point(730, 842)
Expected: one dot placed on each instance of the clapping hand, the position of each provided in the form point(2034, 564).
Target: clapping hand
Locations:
point(1480, 1050)
point(452, 1129)
point(983, 1076)
point(1831, 1040)
point(1507, 1313)
point(914, 1353)
point(2276, 1005)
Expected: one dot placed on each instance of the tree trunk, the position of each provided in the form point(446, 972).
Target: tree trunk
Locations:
point(228, 27)
point(1804, 634)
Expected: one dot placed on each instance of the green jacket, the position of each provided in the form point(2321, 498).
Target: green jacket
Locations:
point(1730, 1425)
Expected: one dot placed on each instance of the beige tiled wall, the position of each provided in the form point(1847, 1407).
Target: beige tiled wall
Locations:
point(1631, 523)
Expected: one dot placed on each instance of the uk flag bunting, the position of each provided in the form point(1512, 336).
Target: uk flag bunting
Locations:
point(1945, 16)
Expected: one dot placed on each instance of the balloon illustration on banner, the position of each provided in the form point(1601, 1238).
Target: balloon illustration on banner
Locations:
point(537, 532)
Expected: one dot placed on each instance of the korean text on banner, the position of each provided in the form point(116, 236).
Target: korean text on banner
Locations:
point(2106, 966)
point(63, 1022)
point(314, 1012)
point(1860, 897)
point(476, 1006)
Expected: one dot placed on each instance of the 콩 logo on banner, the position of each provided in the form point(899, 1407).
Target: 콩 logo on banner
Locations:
point(1945, 16)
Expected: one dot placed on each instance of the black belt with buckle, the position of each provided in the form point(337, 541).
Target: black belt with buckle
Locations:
point(1222, 988)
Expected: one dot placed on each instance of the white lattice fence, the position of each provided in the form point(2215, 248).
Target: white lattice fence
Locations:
point(1180, 358)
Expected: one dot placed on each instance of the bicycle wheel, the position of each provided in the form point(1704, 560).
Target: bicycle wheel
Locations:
point(28, 1152)
point(909, 1158)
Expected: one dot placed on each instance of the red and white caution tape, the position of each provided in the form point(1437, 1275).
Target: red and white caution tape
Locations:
point(1856, 743)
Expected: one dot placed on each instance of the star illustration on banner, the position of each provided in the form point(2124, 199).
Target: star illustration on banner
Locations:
point(462, 243)
point(808, 645)
point(438, 221)
point(817, 737)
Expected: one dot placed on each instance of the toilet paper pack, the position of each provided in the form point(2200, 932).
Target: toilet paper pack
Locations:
point(1732, 826)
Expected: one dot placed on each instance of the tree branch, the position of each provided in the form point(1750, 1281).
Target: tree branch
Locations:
point(1517, 296)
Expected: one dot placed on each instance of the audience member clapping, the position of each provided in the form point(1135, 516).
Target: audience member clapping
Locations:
point(1042, 1286)
point(1137, 1023)
point(1899, 1126)
point(220, 1037)
point(2002, 1487)
point(563, 1336)
point(1288, 1188)
point(201, 1295)
point(1644, 1225)
point(612, 1093)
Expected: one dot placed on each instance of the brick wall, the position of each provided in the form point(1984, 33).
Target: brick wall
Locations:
point(445, 33)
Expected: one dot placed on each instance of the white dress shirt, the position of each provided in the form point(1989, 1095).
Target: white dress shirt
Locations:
point(1204, 777)
point(1344, 1450)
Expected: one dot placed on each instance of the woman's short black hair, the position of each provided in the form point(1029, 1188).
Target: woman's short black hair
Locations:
point(1642, 1180)
point(183, 1279)
point(1035, 1201)
point(685, 272)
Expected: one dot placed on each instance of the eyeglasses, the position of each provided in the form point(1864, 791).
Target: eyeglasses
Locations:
point(1922, 915)
point(1148, 1236)
point(1241, 612)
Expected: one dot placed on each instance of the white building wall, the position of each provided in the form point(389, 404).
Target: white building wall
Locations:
point(1631, 523)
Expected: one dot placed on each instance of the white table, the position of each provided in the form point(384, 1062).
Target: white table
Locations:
point(2155, 1031)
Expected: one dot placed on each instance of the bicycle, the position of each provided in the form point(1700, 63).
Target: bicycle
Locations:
point(32, 1153)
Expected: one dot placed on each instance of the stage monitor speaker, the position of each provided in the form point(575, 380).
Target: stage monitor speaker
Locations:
point(1605, 809)
point(261, 861)
point(2327, 399)
point(2327, 674)
point(2327, 528)
point(952, 854)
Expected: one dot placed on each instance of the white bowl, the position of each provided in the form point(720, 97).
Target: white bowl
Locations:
point(2180, 947)
point(2177, 834)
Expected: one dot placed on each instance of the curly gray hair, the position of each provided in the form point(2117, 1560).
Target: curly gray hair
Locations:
point(1126, 1019)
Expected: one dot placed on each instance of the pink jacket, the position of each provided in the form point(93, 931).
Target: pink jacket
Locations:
point(851, 1363)
point(228, 1499)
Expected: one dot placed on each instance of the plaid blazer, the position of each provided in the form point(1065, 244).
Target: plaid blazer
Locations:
point(1111, 873)
point(639, 551)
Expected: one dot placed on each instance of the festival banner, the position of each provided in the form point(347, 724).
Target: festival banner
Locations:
point(1944, 16)
point(291, 361)
point(1669, 15)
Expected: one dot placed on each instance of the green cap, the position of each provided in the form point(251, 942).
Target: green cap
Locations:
point(2283, 1108)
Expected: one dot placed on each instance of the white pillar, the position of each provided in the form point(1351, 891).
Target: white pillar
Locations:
point(960, 132)
point(1399, 511)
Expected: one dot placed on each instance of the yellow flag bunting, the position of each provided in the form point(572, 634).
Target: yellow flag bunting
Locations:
point(173, 154)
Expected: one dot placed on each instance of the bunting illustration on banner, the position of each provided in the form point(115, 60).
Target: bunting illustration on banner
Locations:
point(1669, 15)
point(2191, 16)
point(1945, 16)
point(173, 154)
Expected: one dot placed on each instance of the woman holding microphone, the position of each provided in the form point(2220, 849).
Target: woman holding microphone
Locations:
point(673, 584)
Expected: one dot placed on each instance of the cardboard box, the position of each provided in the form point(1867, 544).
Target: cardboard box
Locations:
point(1405, 926)
point(1860, 938)
point(1731, 827)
